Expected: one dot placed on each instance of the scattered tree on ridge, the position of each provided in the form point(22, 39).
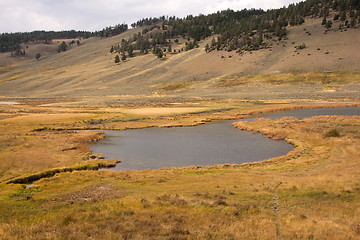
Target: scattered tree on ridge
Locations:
point(123, 57)
point(62, 47)
point(117, 59)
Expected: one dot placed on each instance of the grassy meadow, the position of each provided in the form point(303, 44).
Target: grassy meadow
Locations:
point(311, 193)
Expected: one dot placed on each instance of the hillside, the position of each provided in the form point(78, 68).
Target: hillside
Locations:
point(88, 70)
point(247, 63)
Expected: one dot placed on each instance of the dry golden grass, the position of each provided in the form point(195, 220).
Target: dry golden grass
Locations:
point(75, 74)
point(312, 192)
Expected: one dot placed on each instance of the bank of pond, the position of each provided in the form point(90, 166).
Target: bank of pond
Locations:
point(217, 142)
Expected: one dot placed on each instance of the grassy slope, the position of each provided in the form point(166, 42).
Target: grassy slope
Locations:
point(88, 71)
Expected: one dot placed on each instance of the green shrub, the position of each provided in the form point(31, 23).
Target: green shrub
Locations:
point(333, 133)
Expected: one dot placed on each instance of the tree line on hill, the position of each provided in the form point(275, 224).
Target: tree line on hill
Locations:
point(11, 42)
point(247, 29)
point(243, 30)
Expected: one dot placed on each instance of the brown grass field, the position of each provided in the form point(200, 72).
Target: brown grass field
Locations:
point(312, 192)
point(50, 110)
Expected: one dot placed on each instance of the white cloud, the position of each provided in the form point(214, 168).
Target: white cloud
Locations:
point(25, 15)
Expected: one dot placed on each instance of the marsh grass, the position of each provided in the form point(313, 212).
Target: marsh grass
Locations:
point(51, 172)
point(318, 198)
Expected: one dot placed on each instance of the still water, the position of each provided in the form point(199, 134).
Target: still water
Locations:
point(305, 113)
point(205, 145)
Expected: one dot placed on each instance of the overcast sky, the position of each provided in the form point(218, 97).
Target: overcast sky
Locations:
point(30, 15)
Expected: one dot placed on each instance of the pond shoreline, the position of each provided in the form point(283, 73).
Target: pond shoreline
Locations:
point(249, 114)
point(238, 116)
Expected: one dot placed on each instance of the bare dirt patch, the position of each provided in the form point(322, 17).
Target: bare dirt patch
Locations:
point(9, 103)
point(93, 193)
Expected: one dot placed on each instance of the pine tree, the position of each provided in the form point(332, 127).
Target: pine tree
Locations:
point(207, 48)
point(130, 50)
point(62, 47)
point(324, 21)
point(353, 22)
point(329, 24)
point(117, 59)
point(301, 20)
point(343, 16)
point(159, 53)
point(142, 48)
point(123, 57)
point(213, 43)
point(260, 39)
point(292, 20)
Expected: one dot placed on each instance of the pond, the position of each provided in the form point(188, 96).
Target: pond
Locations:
point(305, 113)
point(212, 143)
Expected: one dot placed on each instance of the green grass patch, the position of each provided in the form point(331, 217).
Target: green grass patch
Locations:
point(51, 172)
